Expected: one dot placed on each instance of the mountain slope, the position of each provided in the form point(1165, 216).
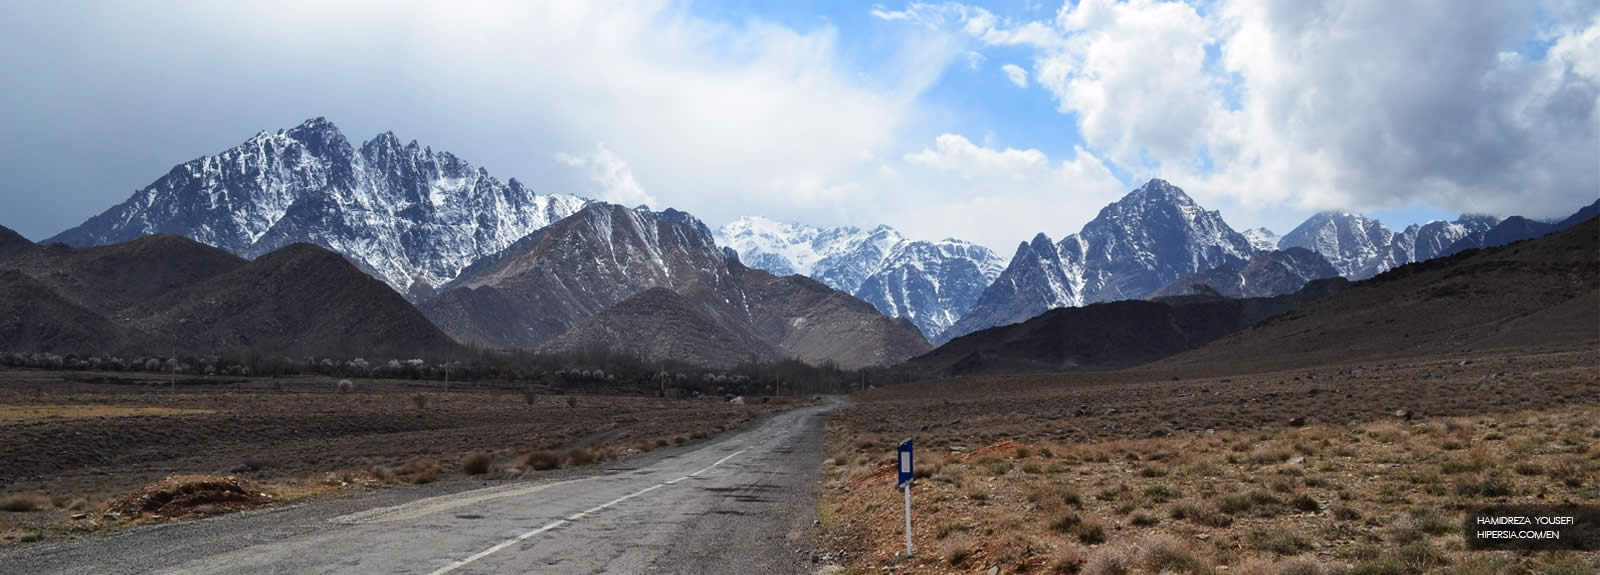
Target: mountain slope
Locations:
point(816, 324)
point(572, 271)
point(1355, 244)
point(1443, 306)
point(408, 215)
point(161, 292)
point(109, 279)
point(1267, 274)
point(1147, 239)
point(301, 300)
point(594, 264)
point(930, 283)
point(659, 324)
point(34, 318)
point(1262, 239)
point(12, 243)
point(1108, 335)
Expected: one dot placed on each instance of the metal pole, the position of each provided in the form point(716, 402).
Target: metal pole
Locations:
point(908, 519)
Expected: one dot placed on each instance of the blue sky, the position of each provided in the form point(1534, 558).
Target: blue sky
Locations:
point(834, 113)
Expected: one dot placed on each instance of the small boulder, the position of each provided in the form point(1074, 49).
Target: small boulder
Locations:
point(1297, 422)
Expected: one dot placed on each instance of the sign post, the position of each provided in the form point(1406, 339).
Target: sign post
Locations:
point(907, 464)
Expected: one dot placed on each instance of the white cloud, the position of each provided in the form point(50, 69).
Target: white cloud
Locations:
point(1135, 75)
point(720, 118)
point(1016, 75)
point(613, 178)
point(975, 59)
point(1362, 104)
point(955, 153)
point(1001, 196)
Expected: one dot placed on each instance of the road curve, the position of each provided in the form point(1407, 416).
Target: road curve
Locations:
point(743, 503)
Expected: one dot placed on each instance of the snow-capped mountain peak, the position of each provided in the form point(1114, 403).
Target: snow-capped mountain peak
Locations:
point(1361, 247)
point(409, 215)
point(929, 283)
point(1262, 239)
point(1153, 235)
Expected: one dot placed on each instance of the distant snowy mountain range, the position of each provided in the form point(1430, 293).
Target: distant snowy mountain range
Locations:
point(932, 284)
point(1361, 247)
point(421, 220)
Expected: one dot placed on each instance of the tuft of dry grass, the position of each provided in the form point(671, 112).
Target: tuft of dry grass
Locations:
point(477, 463)
point(420, 470)
point(24, 502)
point(578, 456)
point(1164, 553)
point(540, 460)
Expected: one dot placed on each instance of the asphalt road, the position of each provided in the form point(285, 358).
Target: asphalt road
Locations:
point(743, 503)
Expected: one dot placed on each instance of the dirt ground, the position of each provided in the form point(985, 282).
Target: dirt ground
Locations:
point(72, 442)
point(1362, 468)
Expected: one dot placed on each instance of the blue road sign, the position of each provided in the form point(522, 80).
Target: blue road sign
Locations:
point(906, 463)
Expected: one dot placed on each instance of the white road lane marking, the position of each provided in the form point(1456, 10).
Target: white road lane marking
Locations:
point(575, 517)
point(507, 543)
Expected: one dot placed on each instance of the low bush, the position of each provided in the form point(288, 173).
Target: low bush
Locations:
point(23, 503)
point(477, 463)
point(541, 460)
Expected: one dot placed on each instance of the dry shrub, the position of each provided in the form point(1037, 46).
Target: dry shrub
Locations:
point(477, 463)
point(25, 502)
point(578, 456)
point(1162, 553)
point(420, 470)
point(1293, 566)
point(541, 460)
point(1109, 560)
point(1090, 532)
point(957, 550)
point(1067, 560)
point(1207, 515)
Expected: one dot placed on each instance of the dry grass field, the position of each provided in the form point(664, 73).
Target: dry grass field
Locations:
point(76, 446)
point(1304, 472)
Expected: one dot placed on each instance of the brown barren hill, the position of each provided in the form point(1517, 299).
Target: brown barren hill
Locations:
point(1531, 295)
point(1109, 335)
point(570, 271)
point(12, 243)
point(659, 324)
point(814, 323)
point(33, 318)
point(108, 279)
point(301, 299)
point(578, 275)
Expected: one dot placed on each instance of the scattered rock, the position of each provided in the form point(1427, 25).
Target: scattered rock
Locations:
point(1297, 422)
point(1465, 362)
point(79, 515)
point(1403, 414)
point(1202, 536)
point(994, 570)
